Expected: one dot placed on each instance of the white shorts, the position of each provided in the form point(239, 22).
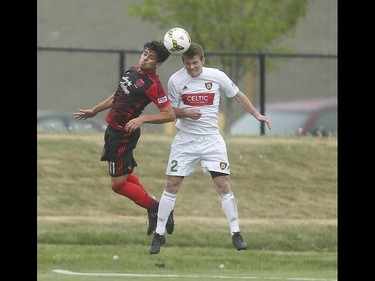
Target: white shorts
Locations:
point(189, 149)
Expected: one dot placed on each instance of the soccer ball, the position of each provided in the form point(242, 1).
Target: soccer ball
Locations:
point(177, 40)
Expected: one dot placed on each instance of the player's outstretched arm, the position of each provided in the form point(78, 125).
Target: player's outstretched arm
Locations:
point(83, 114)
point(244, 101)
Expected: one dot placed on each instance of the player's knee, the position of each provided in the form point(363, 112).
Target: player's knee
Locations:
point(173, 184)
point(118, 187)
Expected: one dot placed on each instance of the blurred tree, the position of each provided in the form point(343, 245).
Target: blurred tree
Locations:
point(228, 25)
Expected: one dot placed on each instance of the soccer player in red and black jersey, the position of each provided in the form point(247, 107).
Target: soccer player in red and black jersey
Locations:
point(139, 86)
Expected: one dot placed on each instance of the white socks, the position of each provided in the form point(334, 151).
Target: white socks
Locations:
point(166, 205)
point(228, 203)
point(168, 201)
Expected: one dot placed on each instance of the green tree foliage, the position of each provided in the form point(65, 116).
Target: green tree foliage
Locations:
point(228, 25)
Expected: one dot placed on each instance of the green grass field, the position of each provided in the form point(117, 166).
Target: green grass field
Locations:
point(286, 192)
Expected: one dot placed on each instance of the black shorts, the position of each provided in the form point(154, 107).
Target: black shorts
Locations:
point(118, 151)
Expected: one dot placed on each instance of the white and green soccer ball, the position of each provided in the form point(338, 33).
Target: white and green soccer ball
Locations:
point(177, 40)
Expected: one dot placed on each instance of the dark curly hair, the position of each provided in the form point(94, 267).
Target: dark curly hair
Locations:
point(159, 48)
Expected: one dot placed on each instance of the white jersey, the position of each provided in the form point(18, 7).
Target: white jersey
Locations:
point(201, 92)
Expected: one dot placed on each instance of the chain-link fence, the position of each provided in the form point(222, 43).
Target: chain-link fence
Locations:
point(71, 78)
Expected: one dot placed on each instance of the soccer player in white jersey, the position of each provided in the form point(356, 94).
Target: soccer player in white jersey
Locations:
point(194, 92)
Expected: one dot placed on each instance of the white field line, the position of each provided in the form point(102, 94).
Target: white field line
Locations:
point(187, 276)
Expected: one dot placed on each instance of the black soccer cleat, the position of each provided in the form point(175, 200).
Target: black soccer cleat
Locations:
point(238, 241)
point(152, 222)
point(157, 241)
point(170, 224)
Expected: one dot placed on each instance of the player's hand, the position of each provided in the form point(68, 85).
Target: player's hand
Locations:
point(269, 124)
point(134, 124)
point(194, 114)
point(83, 114)
point(263, 118)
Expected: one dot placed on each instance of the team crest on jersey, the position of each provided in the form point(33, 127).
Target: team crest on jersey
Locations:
point(139, 83)
point(223, 165)
point(208, 85)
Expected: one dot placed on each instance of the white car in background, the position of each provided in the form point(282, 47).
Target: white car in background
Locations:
point(315, 117)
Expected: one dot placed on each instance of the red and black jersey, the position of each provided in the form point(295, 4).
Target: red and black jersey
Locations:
point(135, 91)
